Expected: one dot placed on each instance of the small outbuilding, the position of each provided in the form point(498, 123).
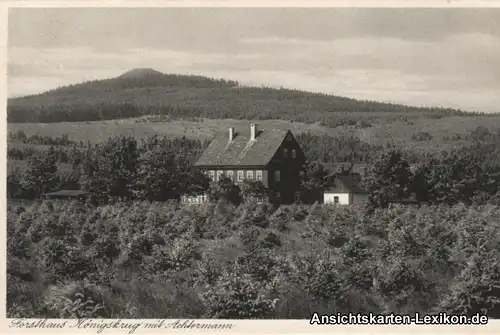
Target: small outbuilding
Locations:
point(345, 191)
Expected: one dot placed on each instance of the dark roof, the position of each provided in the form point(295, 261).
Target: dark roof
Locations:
point(346, 184)
point(66, 193)
point(346, 167)
point(242, 151)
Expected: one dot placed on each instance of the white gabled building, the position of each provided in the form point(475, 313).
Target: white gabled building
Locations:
point(345, 191)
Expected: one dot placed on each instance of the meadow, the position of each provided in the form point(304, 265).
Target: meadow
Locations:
point(441, 134)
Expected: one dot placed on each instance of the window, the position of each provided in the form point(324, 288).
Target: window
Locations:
point(230, 174)
point(302, 174)
point(278, 195)
point(277, 175)
point(220, 174)
point(294, 153)
point(336, 200)
point(249, 174)
point(297, 196)
point(285, 153)
point(240, 175)
point(289, 138)
point(258, 175)
point(212, 175)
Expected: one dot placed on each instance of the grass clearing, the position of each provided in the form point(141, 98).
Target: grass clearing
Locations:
point(400, 132)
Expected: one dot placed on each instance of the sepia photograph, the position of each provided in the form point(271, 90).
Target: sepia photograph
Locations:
point(322, 164)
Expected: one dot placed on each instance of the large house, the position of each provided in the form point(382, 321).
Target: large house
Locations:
point(271, 156)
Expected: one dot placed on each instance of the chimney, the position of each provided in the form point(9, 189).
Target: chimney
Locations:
point(253, 131)
point(231, 134)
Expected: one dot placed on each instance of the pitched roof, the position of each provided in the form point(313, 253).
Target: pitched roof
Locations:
point(66, 193)
point(242, 151)
point(347, 184)
point(346, 167)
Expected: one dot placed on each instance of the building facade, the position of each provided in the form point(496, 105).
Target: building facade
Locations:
point(271, 156)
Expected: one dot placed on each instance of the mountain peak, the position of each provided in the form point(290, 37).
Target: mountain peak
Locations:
point(141, 73)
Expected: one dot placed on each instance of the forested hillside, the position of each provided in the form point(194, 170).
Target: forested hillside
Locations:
point(148, 92)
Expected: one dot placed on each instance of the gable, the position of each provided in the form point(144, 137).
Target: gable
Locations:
point(242, 151)
point(290, 143)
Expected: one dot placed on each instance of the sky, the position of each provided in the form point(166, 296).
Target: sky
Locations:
point(414, 56)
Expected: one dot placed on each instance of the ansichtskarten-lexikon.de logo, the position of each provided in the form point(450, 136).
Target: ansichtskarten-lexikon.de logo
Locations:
point(397, 319)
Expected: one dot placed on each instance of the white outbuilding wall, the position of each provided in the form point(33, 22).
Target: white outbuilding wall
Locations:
point(344, 198)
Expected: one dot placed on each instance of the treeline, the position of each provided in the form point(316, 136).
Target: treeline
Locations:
point(142, 81)
point(182, 97)
point(157, 260)
point(21, 137)
point(329, 149)
point(446, 178)
point(162, 166)
point(161, 169)
point(318, 148)
point(152, 169)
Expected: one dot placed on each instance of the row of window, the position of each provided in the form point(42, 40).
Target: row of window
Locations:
point(294, 153)
point(241, 175)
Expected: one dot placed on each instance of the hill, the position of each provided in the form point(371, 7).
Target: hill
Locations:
point(142, 92)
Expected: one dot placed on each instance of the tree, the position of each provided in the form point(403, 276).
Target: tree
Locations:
point(452, 177)
point(315, 179)
point(164, 174)
point(389, 179)
point(109, 170)
point(225, 189)
point(40, 176)
point(253, 189)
